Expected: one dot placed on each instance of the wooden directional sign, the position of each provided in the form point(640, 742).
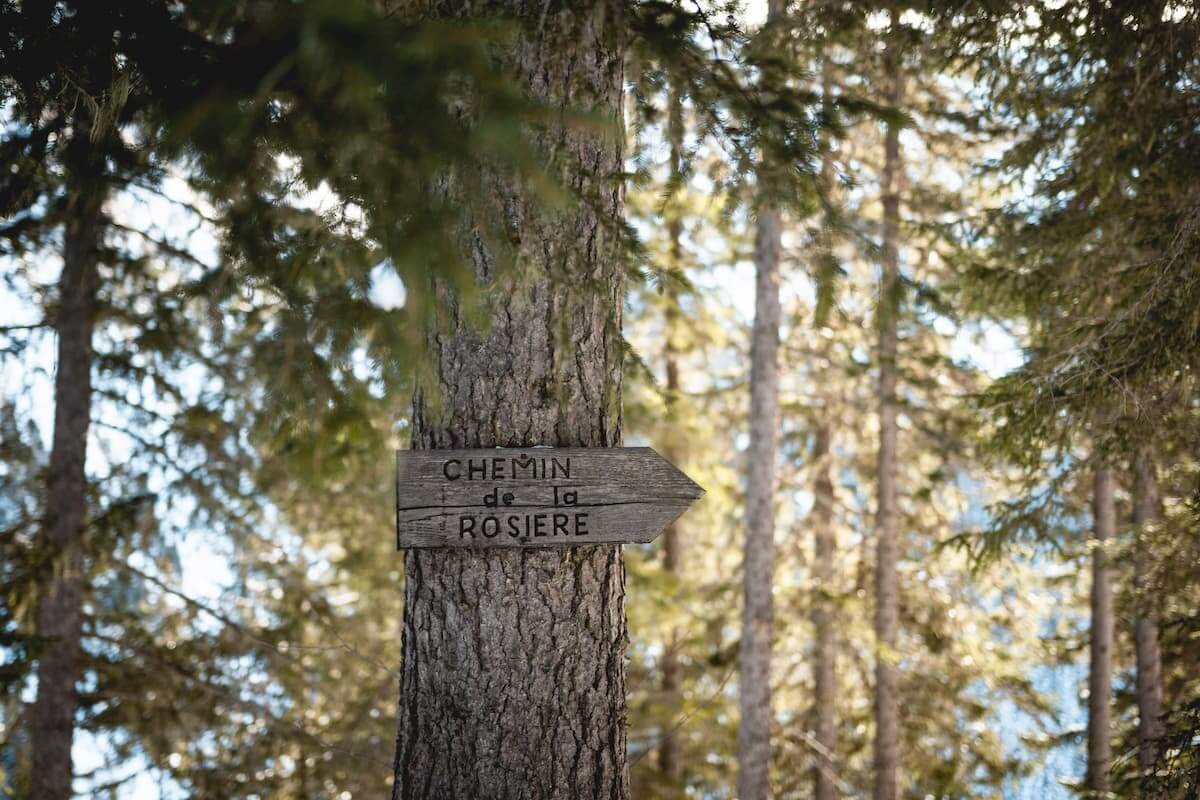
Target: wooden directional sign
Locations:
point(536, 497)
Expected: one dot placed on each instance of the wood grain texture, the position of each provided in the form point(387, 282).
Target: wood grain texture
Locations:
point(536, 497)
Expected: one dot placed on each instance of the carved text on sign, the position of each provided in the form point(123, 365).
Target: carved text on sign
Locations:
point(536, 496)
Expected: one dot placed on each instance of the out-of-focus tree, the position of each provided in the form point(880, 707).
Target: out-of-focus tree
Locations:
point(950, 638)
point(1098, 259)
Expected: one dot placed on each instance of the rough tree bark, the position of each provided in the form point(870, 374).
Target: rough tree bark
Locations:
point(669, 758)
point(1100, 670)
point(824, 654)
point(60, 598)
point(1149, 658)
point(887, 553)
point(513, 677)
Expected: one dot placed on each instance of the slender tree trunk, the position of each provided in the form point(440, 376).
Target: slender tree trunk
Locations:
point(1100, 670)
point(824, 543)
point(825, 653)
point(513, 676)
point(758, 613)
point(887, 713)
point(60, 601)
point(669, 758)
point(754, 745)
point(1149, 659)
point(758, 609)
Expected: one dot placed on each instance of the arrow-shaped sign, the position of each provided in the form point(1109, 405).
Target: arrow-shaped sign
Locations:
point(536, 497)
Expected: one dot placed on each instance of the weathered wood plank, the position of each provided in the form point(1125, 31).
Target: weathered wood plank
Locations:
point(536, 497)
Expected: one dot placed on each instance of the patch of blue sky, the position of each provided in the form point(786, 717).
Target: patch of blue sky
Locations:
point(1058, 767)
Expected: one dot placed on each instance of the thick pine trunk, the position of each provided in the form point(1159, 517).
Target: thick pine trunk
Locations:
point(824, 654)
point(1149, 657)
point(1100, 670)
point(669, 758)
point(887, 553)
point(60, 599)
point(513, 674)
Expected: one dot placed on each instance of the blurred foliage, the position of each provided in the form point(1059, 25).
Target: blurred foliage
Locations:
point(1092, 250)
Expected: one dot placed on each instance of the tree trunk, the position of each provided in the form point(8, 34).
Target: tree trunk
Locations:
point(825, 655)
point(887, 723)
point(758, 609)
point(824, 541)
point(1100, 670)
point(513, 676)
point(758, 613)
point(60, 600)
point(669, 759)
point(1149, 659)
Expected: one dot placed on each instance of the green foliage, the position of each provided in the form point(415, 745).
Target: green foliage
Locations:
point(964, 651)
point(1094, 252)
point(1101, 256)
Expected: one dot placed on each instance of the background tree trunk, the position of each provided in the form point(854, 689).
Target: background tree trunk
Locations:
point(669, 759)
point(513, 678)
point(825, 654)
point(1100, 670)
point(758, 608)
point(887, 553)
point(60, 600)
point(758, 611)
point(1149, 658)
point(824, 540)
point(669, 756)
